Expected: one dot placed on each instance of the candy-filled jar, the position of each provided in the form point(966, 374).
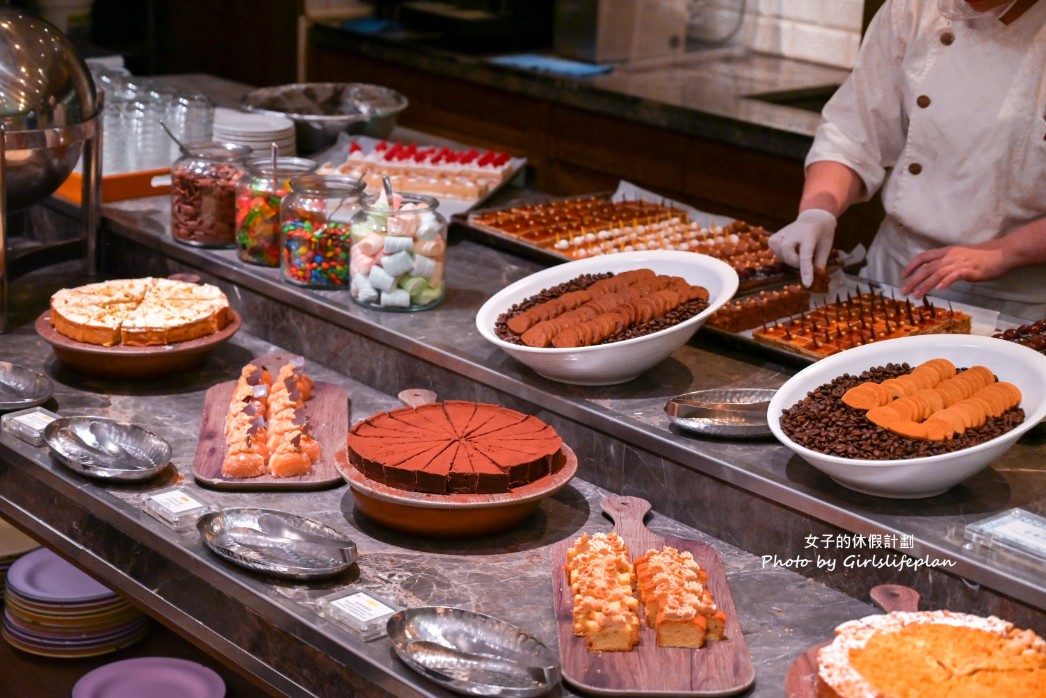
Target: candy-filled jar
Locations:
point(316, 219)
point(397, 253)
point(258, 196)
point(203, 194)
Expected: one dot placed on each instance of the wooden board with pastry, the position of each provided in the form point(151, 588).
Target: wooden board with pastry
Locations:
point(644, 614)
point(272, 429)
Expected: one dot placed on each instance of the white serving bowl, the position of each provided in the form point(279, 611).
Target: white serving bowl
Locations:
point(930, 475)
point(608, 364)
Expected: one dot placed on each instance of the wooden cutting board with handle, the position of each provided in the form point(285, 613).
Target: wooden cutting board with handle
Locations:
point(328, 413)
point(801, 681)
point(723, 667)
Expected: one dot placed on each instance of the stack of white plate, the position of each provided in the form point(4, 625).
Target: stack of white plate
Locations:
point(256, 131)
point(55, 610)
point(13, 544)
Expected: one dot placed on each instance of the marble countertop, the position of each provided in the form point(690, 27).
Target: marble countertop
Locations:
point(272, 628)
point(708, 95)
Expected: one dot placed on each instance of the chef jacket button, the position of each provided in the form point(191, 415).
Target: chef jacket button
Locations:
point(947, 38)
point(915, 168)
point(923, 101)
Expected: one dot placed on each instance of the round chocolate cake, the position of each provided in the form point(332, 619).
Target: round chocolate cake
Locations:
point(454, 447)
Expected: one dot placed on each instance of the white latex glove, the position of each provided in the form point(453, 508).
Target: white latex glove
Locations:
point(806, 242)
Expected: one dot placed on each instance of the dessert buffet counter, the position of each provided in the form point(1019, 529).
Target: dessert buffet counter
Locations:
point(272, 630)
point(754, 494)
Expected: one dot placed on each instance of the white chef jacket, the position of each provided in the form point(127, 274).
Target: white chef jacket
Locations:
point(952, 115)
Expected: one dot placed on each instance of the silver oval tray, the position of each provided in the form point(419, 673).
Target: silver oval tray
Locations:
point(289, 549)
point(472, 653)
point(22, 387)
point(106, 449)
point(725, 412)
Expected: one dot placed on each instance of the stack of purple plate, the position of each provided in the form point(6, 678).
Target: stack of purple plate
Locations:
point(13, 545)
point(55, 610)
point(153, 677)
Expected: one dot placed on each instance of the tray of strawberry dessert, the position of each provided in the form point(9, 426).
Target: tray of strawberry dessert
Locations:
point(273, 428)
point(459, 176)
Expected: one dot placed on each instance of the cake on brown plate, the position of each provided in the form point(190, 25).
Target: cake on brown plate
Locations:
point(931, 654)
point(139, 312)
point(454, 447)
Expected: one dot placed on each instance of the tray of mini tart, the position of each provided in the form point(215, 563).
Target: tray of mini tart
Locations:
point(273, 428)
point(597, 224)
point(910, 652)
point(454, 469)
point(645, 614)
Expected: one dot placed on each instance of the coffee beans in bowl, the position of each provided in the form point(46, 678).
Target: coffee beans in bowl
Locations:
point(923, 428)
point(546, 320)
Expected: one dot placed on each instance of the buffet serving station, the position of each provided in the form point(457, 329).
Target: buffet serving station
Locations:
point(766, 512)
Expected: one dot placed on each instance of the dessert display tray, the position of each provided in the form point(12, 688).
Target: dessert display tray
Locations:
point(985, 322)
point(338, 153)
point(328, 413)
point(472, 227)
point(454, 515)
point(127, 362)
point(722, 668)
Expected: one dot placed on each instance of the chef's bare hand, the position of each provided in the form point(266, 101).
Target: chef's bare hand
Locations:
point(805, 243)
point(938, 269)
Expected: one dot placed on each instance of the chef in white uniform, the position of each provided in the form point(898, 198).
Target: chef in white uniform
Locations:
point(946, 110)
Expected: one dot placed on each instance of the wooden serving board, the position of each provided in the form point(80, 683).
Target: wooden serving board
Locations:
point(328, 413)
point(721, 668)
point(801, 680)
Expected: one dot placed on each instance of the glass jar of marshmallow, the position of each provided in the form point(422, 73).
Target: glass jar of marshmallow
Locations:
point(397, 252)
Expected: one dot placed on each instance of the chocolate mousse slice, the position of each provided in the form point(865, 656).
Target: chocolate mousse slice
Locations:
point(490, 477)
point(429, 417)
point(411, 474)
point(461, 478)
point(519, 465)
point(502, 419)
point(372, 458)
point(459, 413)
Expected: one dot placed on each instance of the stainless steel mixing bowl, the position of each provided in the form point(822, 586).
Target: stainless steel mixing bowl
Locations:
point(48, 106)
point(322, 110)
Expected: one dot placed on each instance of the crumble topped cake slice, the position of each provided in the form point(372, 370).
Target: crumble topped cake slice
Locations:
point(676, 601)
point(600, 575)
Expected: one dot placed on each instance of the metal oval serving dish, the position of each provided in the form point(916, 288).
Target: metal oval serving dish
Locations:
point(21, 387)
point(727, 412)
point(241, 536)
point(472, 653)
point(106, 449)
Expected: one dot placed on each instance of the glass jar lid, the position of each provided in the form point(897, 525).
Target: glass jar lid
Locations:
point(218, 152)
point(420, 203)
point(286, 167)
point(327, 185)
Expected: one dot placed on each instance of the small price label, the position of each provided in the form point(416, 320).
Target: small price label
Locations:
point(363, 607)
point(176, 501)
point(36, 421)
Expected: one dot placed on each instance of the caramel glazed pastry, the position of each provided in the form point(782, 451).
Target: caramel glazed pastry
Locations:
point(266, 429)
point(932, 654)
point(139, 312)
point(593, 314)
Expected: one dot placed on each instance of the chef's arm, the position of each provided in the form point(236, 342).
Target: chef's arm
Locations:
point(940, 268)
point(830, 186)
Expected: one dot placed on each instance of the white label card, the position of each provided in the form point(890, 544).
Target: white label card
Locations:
point(176, 501)
point(362, 606)
point(34, 421)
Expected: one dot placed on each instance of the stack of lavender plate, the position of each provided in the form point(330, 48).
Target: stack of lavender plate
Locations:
point(13, 544)
point(55, 610)
point(152, 677)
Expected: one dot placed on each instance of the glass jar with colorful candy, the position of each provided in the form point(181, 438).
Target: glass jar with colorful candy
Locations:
point(316, 221)
point(203, 194)
point(397, 254)
point(258, 196)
